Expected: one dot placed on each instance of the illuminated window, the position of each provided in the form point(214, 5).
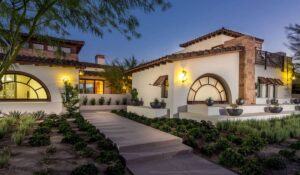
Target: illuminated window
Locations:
point(207, 87)
point(24, 87)
point(87, 86)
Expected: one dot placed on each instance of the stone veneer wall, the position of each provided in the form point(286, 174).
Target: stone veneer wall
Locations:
point(246, 66)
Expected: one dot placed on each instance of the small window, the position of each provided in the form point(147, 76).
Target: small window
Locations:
point(66, 49)
point(87, 86)
point(52, 48)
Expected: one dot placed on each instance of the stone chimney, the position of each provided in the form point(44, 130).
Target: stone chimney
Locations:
point(100, 59)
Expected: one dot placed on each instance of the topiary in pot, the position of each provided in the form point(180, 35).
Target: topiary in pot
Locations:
point(163, 104)
point(209, 101)
point(124, 101)
point(274, 101)
point(84, 100)
point(109, 101)
point(93, 101)
point(101, 101)
point(275, 109)
point(156, 104)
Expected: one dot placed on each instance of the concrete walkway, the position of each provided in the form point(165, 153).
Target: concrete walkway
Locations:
point(149, 151)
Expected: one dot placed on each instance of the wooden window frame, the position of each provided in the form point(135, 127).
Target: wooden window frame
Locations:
point(94, 89)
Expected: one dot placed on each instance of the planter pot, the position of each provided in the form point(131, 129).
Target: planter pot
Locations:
point(274, 101)
point(296, 101)
point(209, 102)
point(240, 101)
point(155, 105)
point(275, 109)
point(234, 112)
point(135, 103)
point(141, 103)
point(163, 105)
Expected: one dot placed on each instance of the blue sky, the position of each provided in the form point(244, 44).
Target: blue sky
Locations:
point(162, 32)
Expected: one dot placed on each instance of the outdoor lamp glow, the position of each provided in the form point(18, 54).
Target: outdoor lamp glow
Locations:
point(182, 76)
point(65, 78)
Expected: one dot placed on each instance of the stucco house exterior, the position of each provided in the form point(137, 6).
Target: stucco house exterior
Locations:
point(35, 81)
point(224, 65)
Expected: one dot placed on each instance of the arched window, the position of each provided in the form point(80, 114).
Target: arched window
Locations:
point(19, 86)
point(208, 86)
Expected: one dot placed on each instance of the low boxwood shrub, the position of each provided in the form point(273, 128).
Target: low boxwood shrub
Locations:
point(234, 139)
point(116, 169)
point(106, 144)
point(44, 129)
point(254, 143)
point(211, 136)
point(190, 141)
point(93, 101)
point(295, 146)
point(231, 158)
point(275, 162)
point(86, 152)
point(38, 139)
point(88, 169)
point(289, 154)
point(80, 145)
point(222, 144)
point(71, 138)
point(108, 156)
point(208, 150)
point(4, 156)
point(165, 128)
point(195, 132)
point(252, 167)
point(245, 150)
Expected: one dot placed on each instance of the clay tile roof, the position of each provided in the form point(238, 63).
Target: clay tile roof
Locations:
point(44, 61)
point(221, 31)
point(183, 56)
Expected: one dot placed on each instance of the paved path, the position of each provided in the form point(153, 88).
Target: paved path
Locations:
point(149, 151)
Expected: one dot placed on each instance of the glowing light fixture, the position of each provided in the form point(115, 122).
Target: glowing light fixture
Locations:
point(182, 76)
point(65, 78)
point(81, 73)
point(294, 78)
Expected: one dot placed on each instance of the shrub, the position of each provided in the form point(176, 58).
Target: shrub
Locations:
point(165, 128)
point(101, 101)
point(252, 167)
point(39, 140)
point(39, 115)
point(222, 144)
point(234, 139)
point(15, 114)
point(108, 101)
point(84, 101)
point(43, 130)
point(195, 132)
point(41, 172)
point(116, 169)
point(18, 137)
point(70, 98)
point(106, 144)
point(289, 154)
point(86, 152)
point(254, 143)
point(209, 137)
point(108, 156)
point(295, 146)
point(3, 127)
point(117, 102)
point(231, 158)
point(87, 169)
point(80, 145)
point(190, 141)
point(275, 162)
point(71, 138)
point(93, 101)
point(4, 156)
point(124, 101)
point(208, 150)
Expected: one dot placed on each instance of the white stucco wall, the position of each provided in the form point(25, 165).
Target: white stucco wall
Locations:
point(208, 43)
point(225, 65)
point(143, 81)
point(283, 92)
point(53, 78)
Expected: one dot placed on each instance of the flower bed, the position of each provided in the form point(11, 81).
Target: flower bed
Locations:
point(247, 147)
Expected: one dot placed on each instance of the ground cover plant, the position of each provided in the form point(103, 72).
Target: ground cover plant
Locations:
point(246, 147)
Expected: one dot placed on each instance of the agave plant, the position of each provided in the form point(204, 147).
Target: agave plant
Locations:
point(14, 114)
point(39, 115)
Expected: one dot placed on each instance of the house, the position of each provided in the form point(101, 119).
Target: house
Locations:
point(224, 65)
point(36, 79)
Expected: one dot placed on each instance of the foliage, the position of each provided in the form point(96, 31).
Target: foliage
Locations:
point(108, 101)
point(116, 75)
point(208, 150)
point(231, 158)
point(222, 144)
point(18, 137)
point(4, 127)
point(86, 152)
point(38, 17)
point(295, 146)
point(93, 101)
point(84, 100)
point(87, 169)
point(108, 156)
point(252, 167)
point(288, 154)
point(41, 172)
point(124, 101)
point(38, 139)
point(70, 98)
point(101, 101)
point(117, 102)
point(134, 94)
point(51, 149)
point(80, 146)
point(116, 169)
point(39, 115)
point(254, 143)
point(14, 114)
point(4, 156)
point(275, 162)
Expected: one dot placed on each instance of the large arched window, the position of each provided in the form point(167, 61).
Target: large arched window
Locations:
point(19, 86)
point(208, 86)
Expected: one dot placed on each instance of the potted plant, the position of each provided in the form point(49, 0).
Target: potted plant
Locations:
point(275, 108)
point(155, 104)
point(240, 101)
point(101, 101)
point(209, 101)
point(141, 102)
point(163, 103)
point(84, 100)
point(117, 102)
point(296, 101)
point(134, 97)
point(234, 110)
point(274, 101)
point(124, 101)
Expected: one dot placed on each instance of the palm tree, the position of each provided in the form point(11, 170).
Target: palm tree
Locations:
point(116, 75)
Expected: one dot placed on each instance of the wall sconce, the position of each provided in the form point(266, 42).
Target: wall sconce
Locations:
point(182, 76)
point(65, 79)
point(81, 73)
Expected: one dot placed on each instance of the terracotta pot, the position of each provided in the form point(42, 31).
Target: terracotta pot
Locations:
point(209, 102)
point(240, 101)
point(275, 109)
point(234, 112)
point(155, 105)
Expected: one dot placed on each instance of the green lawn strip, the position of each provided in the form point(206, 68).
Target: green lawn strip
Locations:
point(234, 144)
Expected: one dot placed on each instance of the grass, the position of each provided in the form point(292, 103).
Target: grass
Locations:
point(4, 156)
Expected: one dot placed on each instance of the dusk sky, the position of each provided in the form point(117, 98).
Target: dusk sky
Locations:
point(162, 32)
